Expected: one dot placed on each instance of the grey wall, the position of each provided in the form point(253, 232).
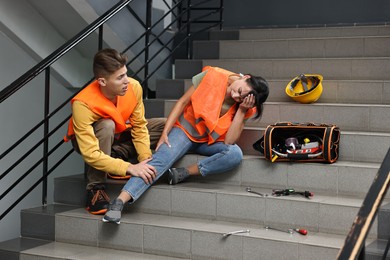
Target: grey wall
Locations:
point(304, 12)
point(18, 114)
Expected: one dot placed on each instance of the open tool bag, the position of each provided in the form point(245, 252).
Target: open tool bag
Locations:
point(302, 142)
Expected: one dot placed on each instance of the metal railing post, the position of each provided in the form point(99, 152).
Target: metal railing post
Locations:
point(179, 11)
point(221, 15)
point(147, 37)
point(189, 52)
point(100, 42)
point(45, 135)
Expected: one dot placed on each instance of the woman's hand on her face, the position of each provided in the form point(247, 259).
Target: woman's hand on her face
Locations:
point(248, 102)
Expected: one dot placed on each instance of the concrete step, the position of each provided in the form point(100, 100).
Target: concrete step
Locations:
point(376, 249)
point(310, 32)
point(222, 202)
point(228, 203)
point(354, 146)
point(334, 91)
point(192, 238)
point(349, 117)
point(339, 179)
point(357, 143)
point(384, 221)
point(40, 249)
point(331, 68)
point(335, 47)
point(28, 248)
point(11, 249)
point(39, 222)
point(172, 88)
point(339, 91)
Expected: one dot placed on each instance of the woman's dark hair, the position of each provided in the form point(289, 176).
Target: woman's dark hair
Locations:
point(107, 61)
point(260, 91)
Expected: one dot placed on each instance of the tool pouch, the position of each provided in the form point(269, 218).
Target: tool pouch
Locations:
point(300, 142)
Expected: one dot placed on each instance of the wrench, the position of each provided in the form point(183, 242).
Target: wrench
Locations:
point(249, 189)
point(235, 232)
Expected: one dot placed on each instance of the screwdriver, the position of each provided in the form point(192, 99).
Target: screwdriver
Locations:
point(290, 231)
point(301, 231)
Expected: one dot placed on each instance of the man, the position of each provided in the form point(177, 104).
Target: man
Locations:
point(108, 127)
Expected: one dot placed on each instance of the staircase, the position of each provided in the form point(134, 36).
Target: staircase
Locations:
point(188, 220)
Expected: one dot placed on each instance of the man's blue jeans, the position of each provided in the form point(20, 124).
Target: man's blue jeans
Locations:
point(221, 158)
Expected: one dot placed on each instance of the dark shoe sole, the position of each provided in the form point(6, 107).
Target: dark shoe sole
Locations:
point(111, 221)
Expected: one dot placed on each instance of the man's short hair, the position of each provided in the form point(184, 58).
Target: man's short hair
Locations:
point(107, 61)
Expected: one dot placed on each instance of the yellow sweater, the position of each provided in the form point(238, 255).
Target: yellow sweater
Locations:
point(83, 119)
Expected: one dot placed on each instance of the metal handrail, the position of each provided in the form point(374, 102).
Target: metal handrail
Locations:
point(353, 247)
point(45, 65)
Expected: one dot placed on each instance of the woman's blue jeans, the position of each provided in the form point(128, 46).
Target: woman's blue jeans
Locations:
point(221, 158)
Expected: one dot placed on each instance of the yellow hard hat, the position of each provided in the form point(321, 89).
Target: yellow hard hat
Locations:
point(306, 88)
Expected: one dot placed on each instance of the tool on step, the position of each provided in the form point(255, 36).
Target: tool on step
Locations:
point(235, 232)
point(298, 147)
point(287, 192)
point(249, 189)
point(301, 231)
point(290, 230)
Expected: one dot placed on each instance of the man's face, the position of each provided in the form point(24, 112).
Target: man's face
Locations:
point(116, 84)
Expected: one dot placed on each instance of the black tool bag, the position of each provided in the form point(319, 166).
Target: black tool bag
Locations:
point(302, 142)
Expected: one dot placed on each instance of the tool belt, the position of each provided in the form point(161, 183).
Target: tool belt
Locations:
point(301, 142)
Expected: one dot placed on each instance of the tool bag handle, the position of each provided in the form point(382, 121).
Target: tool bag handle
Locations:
point(300, 124)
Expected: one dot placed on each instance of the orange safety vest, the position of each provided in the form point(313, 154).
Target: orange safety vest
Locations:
point(99, 104)
point(201, 119)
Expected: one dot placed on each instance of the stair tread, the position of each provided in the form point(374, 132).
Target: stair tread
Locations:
point(328, 104)
point(83, 252)
point(216, 227)
point(283, 79)
point(292, 59)
point(241, 191)
point(301, 38)
point(234, 204)
point(340, 29)
point(299, 104)
point(222, 188)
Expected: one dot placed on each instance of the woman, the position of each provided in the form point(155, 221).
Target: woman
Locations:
point(208, 119)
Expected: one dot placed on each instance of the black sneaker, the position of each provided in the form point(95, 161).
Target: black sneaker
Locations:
point(177, 175)
point(114, 212)
point(97, 200)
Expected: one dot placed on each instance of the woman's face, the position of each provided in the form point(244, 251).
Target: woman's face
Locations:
point(239, 89)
